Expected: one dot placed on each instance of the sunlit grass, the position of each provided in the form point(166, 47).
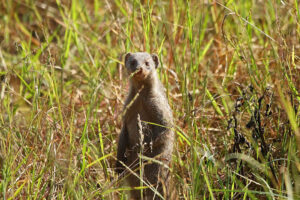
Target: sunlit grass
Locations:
point(231, 71)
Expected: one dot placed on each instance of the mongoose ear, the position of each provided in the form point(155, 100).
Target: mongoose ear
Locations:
point(155, 59)
point(126, 57)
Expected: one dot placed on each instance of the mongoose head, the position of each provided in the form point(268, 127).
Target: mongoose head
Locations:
point(141, 66)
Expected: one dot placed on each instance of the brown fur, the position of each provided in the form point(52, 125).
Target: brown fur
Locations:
point(146, 102)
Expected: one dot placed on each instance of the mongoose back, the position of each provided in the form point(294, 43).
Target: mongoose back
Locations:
point(146, 130)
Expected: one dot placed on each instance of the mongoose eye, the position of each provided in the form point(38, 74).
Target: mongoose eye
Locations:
point(147, 63)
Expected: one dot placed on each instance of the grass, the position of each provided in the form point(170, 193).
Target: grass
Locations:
point(231, 71)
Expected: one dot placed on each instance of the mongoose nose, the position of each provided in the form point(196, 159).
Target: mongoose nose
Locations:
point(134, 65)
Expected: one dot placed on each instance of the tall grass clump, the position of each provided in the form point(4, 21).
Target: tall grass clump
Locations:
point(232, 74)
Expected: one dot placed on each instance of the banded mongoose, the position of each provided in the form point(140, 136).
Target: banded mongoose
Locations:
point(147, 116)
